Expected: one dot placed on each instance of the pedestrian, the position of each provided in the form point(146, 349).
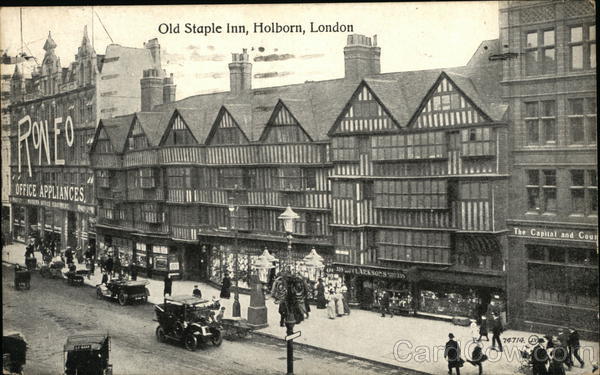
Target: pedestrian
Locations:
point(305, 296)
point(558, 358)
point(108, 265)
point(117, 266)
point(539, 358)
point(104, 278)
point(384, 304)
point(474, 330)
point(496, 331)
point(69, 255)
point(133, 271)
point(331, 304)
point(321, 300)
point(345, 299)
point(573, 345)
point(196, 292)
point(219, 316)
point(225, 286)
point(452, 355)
point(168, 285)
point(477, 358)
point(282, 313)
point(339, 303)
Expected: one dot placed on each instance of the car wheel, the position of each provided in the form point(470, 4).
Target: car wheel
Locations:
point(190, 342)
point(122, 299)
point(160, 334)
point(217, 337)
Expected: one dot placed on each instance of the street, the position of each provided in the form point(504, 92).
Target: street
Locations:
point(52, 310)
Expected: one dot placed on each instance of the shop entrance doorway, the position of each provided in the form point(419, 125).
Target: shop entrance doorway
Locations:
point(71, 229)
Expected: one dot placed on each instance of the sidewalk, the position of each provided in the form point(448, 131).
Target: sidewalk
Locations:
point(365, 334)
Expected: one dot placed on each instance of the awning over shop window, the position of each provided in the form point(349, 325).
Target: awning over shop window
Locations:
point(482, 244)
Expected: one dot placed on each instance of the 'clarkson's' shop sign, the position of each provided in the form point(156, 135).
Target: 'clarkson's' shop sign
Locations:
point(63, 193)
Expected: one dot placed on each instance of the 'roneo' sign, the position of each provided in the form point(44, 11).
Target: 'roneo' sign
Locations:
point(36, 135)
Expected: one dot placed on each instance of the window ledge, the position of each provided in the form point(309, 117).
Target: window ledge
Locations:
point(532, 213)
point(549, 214)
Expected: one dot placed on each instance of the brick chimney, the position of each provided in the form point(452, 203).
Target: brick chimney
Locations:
point(154, 48)
point(361, 57)
point(240, 72)
point(152, 89)
point(168, 89)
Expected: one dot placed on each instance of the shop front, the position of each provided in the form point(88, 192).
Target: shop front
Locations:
point(220, 254)
point(553, 278)
point(154, 257)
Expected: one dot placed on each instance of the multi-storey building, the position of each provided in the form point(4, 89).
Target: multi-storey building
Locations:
point(53, 119)
point(549, 81)
point(398, 178)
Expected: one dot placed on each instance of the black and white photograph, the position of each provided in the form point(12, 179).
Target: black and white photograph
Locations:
point(328, 188)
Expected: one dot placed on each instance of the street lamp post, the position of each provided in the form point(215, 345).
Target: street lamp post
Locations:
point(288, 217)
point(236, 309)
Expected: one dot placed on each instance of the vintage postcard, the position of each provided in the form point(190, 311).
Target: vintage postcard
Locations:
point(346, 188)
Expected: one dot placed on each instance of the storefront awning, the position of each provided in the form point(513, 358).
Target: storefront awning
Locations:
point(483, 244)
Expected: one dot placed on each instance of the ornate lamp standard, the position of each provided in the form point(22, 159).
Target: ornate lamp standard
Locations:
point(233, 208)
point(288, 217)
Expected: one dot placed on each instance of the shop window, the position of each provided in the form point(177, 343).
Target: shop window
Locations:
point(540, 52)
point(536, 253)
point(582, 47)
point(556, 254)
point(582, 121)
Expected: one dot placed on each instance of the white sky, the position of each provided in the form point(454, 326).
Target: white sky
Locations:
point(412, 36)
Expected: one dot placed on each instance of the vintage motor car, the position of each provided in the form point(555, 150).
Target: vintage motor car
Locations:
point(124, 291)
point(22, 278)
point(87, 354)
point(189, 320)
point(14, 352)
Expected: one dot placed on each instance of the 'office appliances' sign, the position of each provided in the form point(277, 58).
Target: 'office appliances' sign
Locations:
point(38, 134)
point(63, 193)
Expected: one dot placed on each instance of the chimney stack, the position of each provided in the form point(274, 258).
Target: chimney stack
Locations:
point(240, 72)
point(169, 90)
point(361, 57)
point(154, 48)
point(152, 89)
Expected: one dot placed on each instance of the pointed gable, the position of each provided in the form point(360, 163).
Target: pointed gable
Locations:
point(111, 134)
point(364, 113)
point(226, 131)
point(102, 143)
point(283, 127)
point(137, 139)
point(178, 132)
point(448, 105)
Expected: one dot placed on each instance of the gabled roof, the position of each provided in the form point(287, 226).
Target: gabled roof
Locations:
point(116, 129)
point(317, 105)
point(154, 125)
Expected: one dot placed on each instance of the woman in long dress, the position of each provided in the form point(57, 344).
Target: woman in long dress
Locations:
point(331, 304)
point(345, 299)
point(321, 300)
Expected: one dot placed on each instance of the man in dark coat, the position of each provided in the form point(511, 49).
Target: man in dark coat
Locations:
point(133, 271)
point(559, 357)
point(452, 355)
point(108, 265)
point(225, 286)
point(573, 344)
point(539, 358)
point(496, 331)
point(168, 285)
point(477, 358)
point(384, 304)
